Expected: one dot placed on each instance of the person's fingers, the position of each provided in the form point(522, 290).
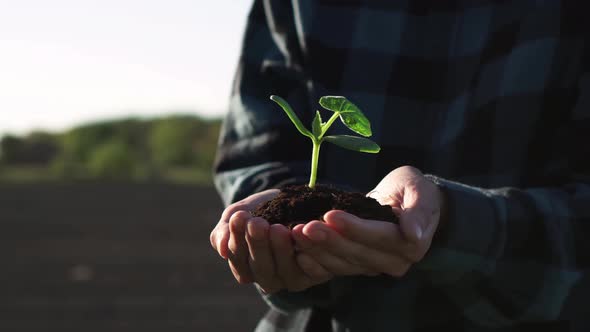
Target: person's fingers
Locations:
point(301, 241)
point(422, 207)
point(248, 203)
point(369, 259)
point(230, 210)
point(287, 270)
point(238, 272)
point(392, 195)
point(220, 236)
point(260, 259)
point(219, 239)
point(306, 249)
point(213, 238)
point(419, 246)
point(312, 268)
point(237, 227)
point(336, 263)
point(262, 197)
point(238, 248)
point(416, 210)
point(412, 222)
point(331, 241)
point(420, 218)
point(372, 233)
point(309, 265)
point(380, 235)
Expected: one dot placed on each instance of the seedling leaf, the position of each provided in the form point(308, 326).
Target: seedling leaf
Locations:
point(316, 125)
point(334, 103)
point(287, 108)
point(357, 122)
point(350, 115)
point(354, 143)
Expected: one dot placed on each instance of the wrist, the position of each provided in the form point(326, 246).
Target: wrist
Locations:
point(443, 215)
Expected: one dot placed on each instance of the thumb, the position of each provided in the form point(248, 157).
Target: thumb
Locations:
point(392, 196)
point(415, 215)
point(412, 223)
point(418, 221)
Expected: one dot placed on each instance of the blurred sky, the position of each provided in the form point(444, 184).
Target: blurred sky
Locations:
point(64, 62)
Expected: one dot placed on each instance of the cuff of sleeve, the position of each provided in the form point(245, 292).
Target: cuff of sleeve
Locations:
point(464, 241)
point(287, 302)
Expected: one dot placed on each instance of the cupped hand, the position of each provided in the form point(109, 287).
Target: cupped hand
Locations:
point(262, 253)
point(347, 245)
point(220, 236)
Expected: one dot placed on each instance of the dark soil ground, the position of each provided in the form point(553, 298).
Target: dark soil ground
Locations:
point(299, 204)
point(107, 257)
point(116, 258)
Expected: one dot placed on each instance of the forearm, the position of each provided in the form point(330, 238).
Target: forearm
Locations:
point(509, 255)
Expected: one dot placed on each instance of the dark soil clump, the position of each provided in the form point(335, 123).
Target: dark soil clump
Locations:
point(299, 204)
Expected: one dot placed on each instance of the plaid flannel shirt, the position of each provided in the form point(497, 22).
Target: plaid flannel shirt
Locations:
point(490, 98)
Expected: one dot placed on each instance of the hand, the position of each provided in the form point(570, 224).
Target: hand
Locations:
point(347, 245)
point(259, 252)
point(220, 236)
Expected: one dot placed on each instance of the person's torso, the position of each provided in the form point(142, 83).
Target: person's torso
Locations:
point(466, 90)
point(474, 91)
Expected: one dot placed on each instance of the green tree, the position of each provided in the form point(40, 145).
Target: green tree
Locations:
point(80, 142)
point(112, 160)
point(172, 140)
point(37, 148)
point(10, 147)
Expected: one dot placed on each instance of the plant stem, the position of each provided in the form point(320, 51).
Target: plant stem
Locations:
point(329, 123)
point(315, 153)
point(315, 156)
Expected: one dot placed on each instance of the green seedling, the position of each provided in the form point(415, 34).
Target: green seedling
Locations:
point(350, 115)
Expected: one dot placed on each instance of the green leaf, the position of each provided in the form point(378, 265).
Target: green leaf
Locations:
point(350, 115)
point(316, 125)
point(354, 143)
point(291, 114)
point(357, 122)
point(334, 103)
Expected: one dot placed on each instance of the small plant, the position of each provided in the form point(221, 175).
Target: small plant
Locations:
point(350, 115)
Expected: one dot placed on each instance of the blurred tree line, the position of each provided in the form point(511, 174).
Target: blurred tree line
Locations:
point(178, 148)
